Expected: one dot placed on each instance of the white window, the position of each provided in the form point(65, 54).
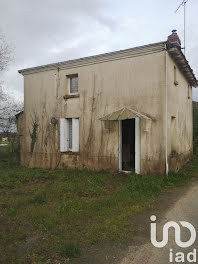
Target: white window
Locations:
point(73, 83)
point(69, 134)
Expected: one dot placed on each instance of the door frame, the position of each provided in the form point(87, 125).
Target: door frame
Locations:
point(137, 145)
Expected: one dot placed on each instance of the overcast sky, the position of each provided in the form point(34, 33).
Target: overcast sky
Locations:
point(49, 31)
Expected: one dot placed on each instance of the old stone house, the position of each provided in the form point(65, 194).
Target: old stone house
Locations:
point(124, 110)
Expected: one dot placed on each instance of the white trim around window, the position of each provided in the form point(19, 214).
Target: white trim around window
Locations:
point(69, 134)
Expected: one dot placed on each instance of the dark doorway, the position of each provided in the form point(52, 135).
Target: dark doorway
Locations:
point(128, 144)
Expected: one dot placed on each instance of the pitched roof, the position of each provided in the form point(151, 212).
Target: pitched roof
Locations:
point(140, 50)
point(174, 51)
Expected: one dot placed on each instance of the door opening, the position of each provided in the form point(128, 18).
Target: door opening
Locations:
point(128, 144)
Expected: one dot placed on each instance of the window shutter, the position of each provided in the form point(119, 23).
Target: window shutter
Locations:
point(75, 134)
point(63, 135)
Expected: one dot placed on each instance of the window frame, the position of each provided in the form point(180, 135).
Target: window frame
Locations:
point(69, 77)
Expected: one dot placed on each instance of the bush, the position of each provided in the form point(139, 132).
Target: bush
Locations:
point(70, 250)
point(38, 199)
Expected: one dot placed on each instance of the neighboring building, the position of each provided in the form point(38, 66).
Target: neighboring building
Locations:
point(20, 124)
point(125, 110)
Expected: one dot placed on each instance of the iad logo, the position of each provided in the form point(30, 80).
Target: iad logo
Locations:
point(177, 229)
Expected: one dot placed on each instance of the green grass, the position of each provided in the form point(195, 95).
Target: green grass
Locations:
point(53, 215)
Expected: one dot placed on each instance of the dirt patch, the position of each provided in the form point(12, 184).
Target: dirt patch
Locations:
point(22, 247)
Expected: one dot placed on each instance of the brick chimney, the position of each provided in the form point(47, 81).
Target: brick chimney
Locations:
point(174, 39)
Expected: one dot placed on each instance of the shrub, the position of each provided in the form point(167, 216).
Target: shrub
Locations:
point(70, 250)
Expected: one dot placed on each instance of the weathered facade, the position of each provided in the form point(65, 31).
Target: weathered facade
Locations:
point(149, 85)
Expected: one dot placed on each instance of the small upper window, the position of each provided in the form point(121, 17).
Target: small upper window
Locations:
point(189, 91)
point(73, 84)
point(175, 76)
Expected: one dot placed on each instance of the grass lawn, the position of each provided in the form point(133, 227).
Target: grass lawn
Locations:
point(53, 215)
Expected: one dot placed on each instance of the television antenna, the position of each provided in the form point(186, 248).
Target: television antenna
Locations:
point(184, 5)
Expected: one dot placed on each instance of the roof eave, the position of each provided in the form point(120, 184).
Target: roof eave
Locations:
point(179, 58)
point(96, 58)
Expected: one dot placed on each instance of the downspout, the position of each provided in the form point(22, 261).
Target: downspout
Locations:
point(58, 116)
point(57, 93)
point(166, 109)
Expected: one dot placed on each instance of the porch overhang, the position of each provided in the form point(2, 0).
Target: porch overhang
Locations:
point(123, 114)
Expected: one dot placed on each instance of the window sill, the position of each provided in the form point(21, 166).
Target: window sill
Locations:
point(69, 152)
point(71, 96)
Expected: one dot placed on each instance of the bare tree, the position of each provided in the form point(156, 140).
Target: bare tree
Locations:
point(9, 107)
point(6, 52)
